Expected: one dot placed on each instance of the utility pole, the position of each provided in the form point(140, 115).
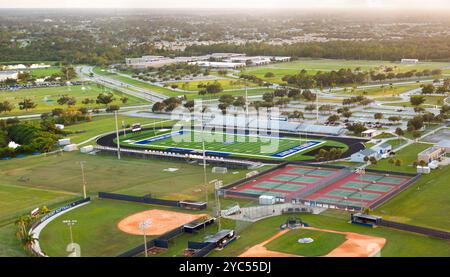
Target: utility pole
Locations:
point(124, 129)
point(117, 136)
point(317, 107)
point(84, 179)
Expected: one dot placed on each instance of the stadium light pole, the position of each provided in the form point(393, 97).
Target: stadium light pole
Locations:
point(84, 178)
point(143, 226)
point(217, 186)
point(70, 223)
point(117, 136)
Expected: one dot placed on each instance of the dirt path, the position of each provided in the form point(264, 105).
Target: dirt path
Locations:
point(356, 245)
point(161, 221)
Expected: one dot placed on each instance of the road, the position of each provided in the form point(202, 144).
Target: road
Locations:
point(85, 73)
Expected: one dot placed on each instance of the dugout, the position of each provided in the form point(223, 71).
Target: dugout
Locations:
point(365, 219)
point(192, 205)
point(222, 238)
point(197, 225)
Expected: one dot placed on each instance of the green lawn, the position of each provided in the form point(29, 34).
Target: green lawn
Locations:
point(226, 84)
point(96, 230)
point(312, 66)
point(106, 123)
point(106, 173)
point(9, 245)
point(137, 83)
point(408, 155)
point(324, 243)
point(17, 200)
point(426, 203)
point(236, 145)
point(430, 100)
point(45, 72)
point(46, 98)
point(396, 142)
point(399, 243)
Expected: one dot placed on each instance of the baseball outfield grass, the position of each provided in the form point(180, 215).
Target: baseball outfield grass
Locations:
point(399, 243)
point(323, 243)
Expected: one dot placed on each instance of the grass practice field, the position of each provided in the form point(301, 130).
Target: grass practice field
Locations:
point(312, 66)
point(225, 144)
point(106, 173)
point(226, 84)
point(16, 200)
point(106, 123)
point(46, 98)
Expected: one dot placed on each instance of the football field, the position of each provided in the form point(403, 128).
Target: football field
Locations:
point(226, 144)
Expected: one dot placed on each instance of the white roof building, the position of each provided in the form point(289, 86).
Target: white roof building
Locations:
point(4, 75)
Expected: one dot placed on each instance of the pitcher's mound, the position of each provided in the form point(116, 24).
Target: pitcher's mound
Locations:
point(162, 222)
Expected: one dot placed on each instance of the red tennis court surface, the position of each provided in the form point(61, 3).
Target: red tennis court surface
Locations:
point(319, 185)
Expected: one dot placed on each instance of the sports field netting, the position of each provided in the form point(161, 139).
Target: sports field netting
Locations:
point(353, 194)
point(391, 180)
point(262, 192)
point(367, 186)
point(300, 170)
point(369, 177)
point(323, 173)
point(299, 179)
point(278, 186)
point(338, 201)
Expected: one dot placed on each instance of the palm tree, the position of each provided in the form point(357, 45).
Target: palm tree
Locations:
point(44, 210)
point(28, 240)
point(23, 223)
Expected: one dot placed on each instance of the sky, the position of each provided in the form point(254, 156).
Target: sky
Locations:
point(265, 4)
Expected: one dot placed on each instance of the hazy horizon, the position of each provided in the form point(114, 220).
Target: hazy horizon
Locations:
point(231, 4)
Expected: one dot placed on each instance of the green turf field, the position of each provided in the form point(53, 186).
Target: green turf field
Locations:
point(399, 243)
point(425, 203)
point(16, 200)
point(323, 243)
point(227, 84)
point(106, 173)
point(46, 98)
point(106, 123)
point(234, 144)
point(45, 72)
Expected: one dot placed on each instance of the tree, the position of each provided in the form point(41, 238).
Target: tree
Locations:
point(6, 106)
point(87, 101)
point(378, 116)
point(68, 73)
point(124, 99)
point(415, 123)
point(158, 107)
point(27, 104)
point(268, 97)
point(417, 100)
point(356, 128)
point(105, 98)
point(373, 160)
point(112, 108)
point(65, 99)
point(333, 118)
point(269, 75)
point(239, 102)
point(399, 132)
point(428, 89)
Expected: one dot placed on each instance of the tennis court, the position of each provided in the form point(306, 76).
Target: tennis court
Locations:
point(324, 186)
